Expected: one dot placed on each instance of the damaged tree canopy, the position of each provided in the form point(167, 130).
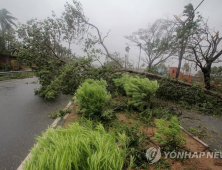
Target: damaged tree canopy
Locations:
point(59, 69)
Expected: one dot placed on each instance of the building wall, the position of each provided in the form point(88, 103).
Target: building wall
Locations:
point(173, 71)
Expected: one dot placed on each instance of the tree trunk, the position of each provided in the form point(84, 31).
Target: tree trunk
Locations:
point(150, 65)
point(206, 71)
point(180, 61)
point(3, 37)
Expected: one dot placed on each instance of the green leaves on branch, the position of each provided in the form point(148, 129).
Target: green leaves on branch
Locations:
point(169, 133)
point(189, 96)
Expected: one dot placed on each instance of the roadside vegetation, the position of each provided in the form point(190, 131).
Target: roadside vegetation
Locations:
point(17, 76)
point(81, 146)
point(115, 128)
point(122, 110)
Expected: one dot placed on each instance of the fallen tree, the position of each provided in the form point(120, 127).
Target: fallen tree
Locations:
point(156, 76)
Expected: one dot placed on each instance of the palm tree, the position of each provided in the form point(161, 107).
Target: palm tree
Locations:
point(6, 20)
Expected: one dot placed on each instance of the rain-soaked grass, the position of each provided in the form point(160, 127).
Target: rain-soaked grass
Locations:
point(81, 146)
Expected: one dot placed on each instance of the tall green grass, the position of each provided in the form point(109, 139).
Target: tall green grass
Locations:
point(92, 97)
point(79, 147)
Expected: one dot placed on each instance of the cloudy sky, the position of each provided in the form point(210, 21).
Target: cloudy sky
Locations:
point(122, 17)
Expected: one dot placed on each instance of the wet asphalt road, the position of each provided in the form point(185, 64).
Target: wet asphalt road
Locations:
point(23, 115)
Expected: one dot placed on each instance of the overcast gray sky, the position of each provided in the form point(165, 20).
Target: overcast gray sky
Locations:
point(122, 17)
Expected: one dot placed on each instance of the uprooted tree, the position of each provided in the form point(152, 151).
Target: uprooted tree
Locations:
point(57, 70)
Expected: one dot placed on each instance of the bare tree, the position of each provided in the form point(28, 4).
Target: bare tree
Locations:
point(204, 47)
point(155, 41)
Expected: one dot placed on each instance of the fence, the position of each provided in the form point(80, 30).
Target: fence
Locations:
point(8, 73)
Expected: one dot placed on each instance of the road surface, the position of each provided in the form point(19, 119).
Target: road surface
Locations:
point(23, 115)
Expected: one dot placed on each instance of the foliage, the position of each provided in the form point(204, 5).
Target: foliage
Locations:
point(169, 133)
point(43, 52)
point(216, 74)
point(199, 73)
point(142, 91)
point(92, 97)
point(78, 147)
point(185, 30)
point(59, 113)
point(163, 164)
point(108, 114)
point(189, 96)
point(57, 68)
point(17, 76)
point(155, 41)
point(186, 68)
point(6, 21)
point(135, 143)
point(120, 83)
point(204, 50)
point(160, 69)
point(66, 78)
point(160, 113)
point(120, 103)
point(6, 67)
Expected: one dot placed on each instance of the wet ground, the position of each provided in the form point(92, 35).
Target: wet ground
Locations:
point(206, 127)
point(23, 115)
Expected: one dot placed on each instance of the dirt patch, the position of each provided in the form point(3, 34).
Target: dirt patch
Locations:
point(202, 163)
point(73, 117)
point(122, 117)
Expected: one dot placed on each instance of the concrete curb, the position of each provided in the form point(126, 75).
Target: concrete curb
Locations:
point(53, 125)
point(197, 139)
point(200, 141)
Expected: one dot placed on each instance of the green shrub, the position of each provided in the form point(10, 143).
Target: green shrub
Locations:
point(6, 67)
point(119, 103)
point(142, 91)
point(78, 147)
point(108, 114)
point(163, 164)
point(92, 97)
point(120, 84)
point(59, 113)
point(169, 133)
point(136, 143)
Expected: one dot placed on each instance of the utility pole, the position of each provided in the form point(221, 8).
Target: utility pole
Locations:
point(127, 50)
point(139, 56)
